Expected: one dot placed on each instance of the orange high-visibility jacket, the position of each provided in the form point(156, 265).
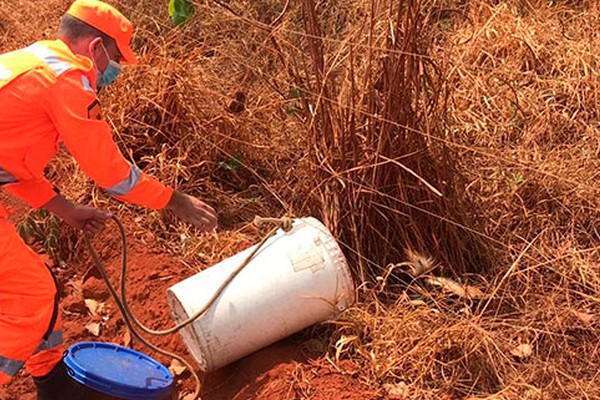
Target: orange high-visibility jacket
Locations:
point(48, 95)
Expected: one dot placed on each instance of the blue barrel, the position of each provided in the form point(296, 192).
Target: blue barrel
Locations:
point(117, 371)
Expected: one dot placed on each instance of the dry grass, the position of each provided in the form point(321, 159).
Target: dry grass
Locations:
point(461, 131)
point(522, 124)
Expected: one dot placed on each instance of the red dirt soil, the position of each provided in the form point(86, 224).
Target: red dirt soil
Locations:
point(283, 371)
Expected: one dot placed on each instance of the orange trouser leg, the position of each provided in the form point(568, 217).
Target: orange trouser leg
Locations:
point(48, 354)
point(27, 294)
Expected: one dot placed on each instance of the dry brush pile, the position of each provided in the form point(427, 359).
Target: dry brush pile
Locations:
point(451, 139)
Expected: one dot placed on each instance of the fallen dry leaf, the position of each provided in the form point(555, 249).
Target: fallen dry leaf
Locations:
point(93, 328)
point(586, 318)
point(522, 351)
point(417, 303)
point(176, 367)
point(93, 306)
point(397, 391)
point(465, 291)
point(127, 338)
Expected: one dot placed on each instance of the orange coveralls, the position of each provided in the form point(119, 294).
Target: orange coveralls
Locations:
point(48, 95)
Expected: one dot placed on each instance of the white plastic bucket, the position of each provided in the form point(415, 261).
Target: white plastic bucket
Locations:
point(297, 279)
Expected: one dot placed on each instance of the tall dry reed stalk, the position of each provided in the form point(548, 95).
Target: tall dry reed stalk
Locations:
point(377, 112)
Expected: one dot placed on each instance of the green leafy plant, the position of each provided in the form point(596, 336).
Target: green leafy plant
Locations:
point(294, 107)
point(232, 164)
point(180, 11)
point(44, 228)
point(516, 180)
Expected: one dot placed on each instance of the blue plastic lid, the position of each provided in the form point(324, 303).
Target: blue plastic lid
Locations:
point(118, 371)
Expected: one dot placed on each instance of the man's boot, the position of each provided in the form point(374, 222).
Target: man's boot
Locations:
point(58, 385)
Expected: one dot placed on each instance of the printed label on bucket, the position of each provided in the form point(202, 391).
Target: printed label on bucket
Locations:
point(305, 257)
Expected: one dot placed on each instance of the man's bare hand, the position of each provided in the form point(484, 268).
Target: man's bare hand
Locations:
point(194, 211)
point(79, 217)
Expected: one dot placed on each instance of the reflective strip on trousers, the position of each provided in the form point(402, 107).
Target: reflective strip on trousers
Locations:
point(10, 367)
point(49, 58)
point(6, 177)
point(127, 184)
point(55, 339)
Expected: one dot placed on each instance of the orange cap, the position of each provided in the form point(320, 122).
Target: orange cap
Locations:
point(108, 20)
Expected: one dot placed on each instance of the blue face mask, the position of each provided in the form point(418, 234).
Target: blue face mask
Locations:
point(110, 74)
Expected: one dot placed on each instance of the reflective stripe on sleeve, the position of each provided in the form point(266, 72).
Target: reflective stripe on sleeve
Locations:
point(10, 367)
point(124, 187)
point(86, 83)
point(49, 58)
point(5, 73)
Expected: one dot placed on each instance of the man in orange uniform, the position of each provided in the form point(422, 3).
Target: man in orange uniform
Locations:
point(48, 95)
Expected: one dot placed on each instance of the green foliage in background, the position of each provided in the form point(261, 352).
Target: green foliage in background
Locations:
point(180, 11)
